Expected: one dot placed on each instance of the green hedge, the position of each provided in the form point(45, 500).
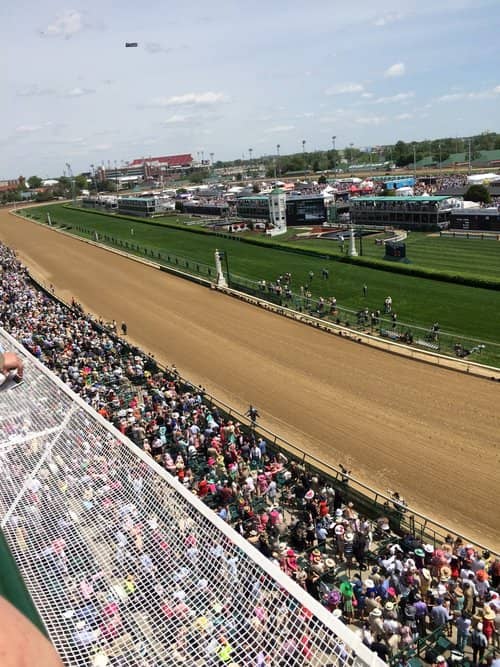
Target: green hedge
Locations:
point(422, 272)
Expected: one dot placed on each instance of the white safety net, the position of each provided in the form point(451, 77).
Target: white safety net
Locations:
point(125, 566)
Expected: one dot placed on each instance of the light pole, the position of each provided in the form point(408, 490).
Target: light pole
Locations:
point(334, 138)
point(351, 145)
point(470, 155)
point(116, 177)
point(414, 161)
point(440, 160)
point(278, 159)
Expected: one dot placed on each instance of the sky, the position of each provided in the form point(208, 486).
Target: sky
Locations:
point(227, 76)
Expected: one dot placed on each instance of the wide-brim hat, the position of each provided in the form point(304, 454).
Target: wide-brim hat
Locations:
point(316, 553)
point(426, 574)
point(309, 495)
point(389, 606)
point(445, 573)
point(369, 583)
point(376, 612)
point(488, 613)
point(420, 553)
point(349, 537)
point(330, 563)
point(337, 613)
point(428, 548)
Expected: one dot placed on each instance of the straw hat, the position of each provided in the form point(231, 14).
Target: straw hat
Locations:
point(376, 612)
point(445, 573)
point(389, 606)
point(488, 613)
point(369, 583)
point(337, 613)
point(330, 563)
point(349, 537)
point(428, 548)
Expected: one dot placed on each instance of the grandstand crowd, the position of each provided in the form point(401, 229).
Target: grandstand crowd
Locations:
point(393, 589)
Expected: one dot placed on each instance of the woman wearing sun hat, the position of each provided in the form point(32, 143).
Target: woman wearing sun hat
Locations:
point(488, 622)
point(347, 595)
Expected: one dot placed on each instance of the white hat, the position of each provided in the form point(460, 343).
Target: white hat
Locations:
point(369, 583)
point(337, 613)
point(349, 537)
point(429, 548)
point(376, 612)
point(440, 658)
point(309, 495)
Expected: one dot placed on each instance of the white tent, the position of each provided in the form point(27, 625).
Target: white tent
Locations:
point(479, 179)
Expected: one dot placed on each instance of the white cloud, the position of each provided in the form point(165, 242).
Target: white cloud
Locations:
point(36, 91)
point(78, 92)
point(366, 96)
point(66, 25)
point(387, 19)
point(26, 129)
point(398, 69)
point(101, 147)
point(190, 99)
point(399, 97)
point(177, 118)
point(404, 116)
point(345, 89)
point(370, 120)
point(279, 128)
point(471, 95)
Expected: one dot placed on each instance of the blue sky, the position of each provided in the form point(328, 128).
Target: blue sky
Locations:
point(228, 75)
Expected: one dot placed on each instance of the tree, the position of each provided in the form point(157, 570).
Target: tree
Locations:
point(322, 179)
point(35, 182)
point(255, 188)
point(478, 193)
point(81, 182)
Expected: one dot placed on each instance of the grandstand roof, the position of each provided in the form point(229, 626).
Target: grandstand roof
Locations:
point(402, 199)
point(184, 160)
point(122, 560)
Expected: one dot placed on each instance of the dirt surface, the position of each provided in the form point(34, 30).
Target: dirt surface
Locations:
point(429, 433)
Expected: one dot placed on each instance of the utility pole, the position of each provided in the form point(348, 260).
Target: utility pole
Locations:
point(470, 155)
point(73, 185)
point(414, 161)
point(334, 138)
point(278, 158)
point(440, 160)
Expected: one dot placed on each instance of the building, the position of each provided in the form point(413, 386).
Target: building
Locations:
point(306, 210)
point(12, 184)
point(476, 219)
point(300, 209)
point(423, 213)
point(204, 207)
point(144, 207)
point(143, 169)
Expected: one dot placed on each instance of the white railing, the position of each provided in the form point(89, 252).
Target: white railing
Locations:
point(122, 560)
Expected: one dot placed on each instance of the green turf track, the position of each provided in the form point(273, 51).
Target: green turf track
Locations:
point(472, 257)
point(467, 312)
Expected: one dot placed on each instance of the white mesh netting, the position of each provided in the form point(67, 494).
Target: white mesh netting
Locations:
point(125, 566)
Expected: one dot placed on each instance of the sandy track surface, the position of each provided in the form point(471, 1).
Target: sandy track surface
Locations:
point(432, 434)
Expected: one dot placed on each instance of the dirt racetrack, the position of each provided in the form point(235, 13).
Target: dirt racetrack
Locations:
point(429, 433)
